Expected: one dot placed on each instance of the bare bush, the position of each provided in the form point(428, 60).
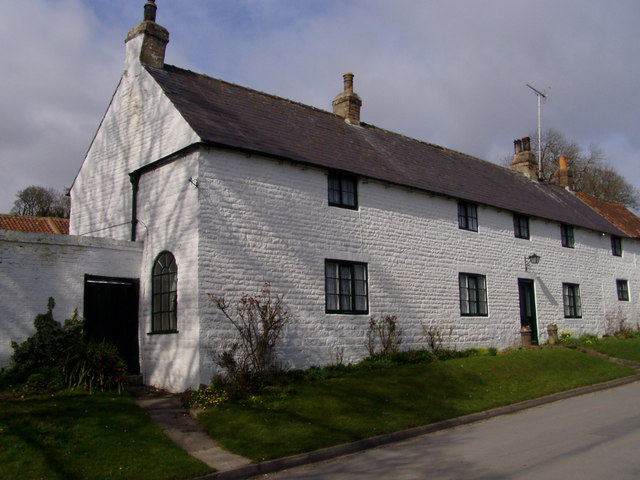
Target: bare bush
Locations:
point(436, 337)
point(384, 336)
point(617, 325)
point(259, 322)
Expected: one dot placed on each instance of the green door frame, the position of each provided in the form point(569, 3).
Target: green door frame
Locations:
point(527, 298)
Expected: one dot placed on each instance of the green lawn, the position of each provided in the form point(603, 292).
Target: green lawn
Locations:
point(306, 416)
point(77, 436)
point(629, 349)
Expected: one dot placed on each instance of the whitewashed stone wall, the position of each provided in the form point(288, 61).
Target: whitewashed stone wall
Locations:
point(140, 126)
point(263, 220)
point(34, 267)
point(168, 220)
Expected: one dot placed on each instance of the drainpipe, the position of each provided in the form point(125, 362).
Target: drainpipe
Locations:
point(134, 177)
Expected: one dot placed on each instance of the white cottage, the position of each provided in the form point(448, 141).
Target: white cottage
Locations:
point(227, 188)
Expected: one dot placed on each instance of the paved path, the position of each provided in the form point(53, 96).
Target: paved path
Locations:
point(594, 436)
point(170, 415)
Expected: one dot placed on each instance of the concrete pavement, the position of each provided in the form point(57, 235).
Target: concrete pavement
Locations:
point(169, 414)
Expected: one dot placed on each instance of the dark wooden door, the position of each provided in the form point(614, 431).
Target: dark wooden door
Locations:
point(111, 314)
point(528, 307)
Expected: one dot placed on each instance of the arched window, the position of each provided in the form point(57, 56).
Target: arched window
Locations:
point(164, 295)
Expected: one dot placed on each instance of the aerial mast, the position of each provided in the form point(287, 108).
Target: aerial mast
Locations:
point(539, 95)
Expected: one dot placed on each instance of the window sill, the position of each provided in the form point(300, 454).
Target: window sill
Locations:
point(162, 332)
point(344, 206)
point(346, 313)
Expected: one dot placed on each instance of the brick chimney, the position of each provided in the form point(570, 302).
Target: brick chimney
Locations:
point(147, 41)
point(563, 177)
point(347, 104)
point(523, 160)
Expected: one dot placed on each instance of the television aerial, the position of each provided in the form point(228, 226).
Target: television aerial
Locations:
point(541, 95)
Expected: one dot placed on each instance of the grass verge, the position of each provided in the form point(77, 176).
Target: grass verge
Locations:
point(77, 436)
point(628, 349)
point(306, 416)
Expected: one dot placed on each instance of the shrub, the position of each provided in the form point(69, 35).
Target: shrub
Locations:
point(616, 325)
point(48, 346)
point(384, 336)
point(45, 380)
point(57, 355)
point(94, 366)
point(259, 322)
point(436, 337)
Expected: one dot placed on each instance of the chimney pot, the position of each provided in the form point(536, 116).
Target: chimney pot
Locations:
point(150, 11)
point(348, 82)
point(526, 144)
point(563, 162)
point(563, 177)
point(517, 146)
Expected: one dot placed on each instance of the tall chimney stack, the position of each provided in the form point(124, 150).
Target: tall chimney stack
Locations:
point(147, 41)
point(523, 160)
point(563, 176)
point(347, 103)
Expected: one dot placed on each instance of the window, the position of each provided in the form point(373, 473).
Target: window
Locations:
point(616, 246)
point(521, 226)
point(346, 289)
point(343, 191)
point(566, 233)
point(473, 295)
point(468, 216)
point(623, 290)
point(571, 298)
point(164, 295)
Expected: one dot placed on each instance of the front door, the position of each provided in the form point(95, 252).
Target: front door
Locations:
point(111, 315)
point(528, 307)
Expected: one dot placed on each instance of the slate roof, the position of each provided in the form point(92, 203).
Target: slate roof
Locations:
point(616, 213)
point(229, 115)
point(23, 223)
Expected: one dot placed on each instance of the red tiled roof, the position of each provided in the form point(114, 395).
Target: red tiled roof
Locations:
point(615, 213)
point(21, 223)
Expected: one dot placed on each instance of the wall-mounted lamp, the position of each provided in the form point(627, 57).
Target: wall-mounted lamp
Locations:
point(531, 260)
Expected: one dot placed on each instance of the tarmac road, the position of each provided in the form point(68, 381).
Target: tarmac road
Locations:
point(593, 436)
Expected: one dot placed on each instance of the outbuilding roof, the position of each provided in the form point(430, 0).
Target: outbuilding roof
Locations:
point(614, 212)
point(232, 116)
point(23, 223)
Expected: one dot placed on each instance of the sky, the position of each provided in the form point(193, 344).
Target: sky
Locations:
point(452, 73)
